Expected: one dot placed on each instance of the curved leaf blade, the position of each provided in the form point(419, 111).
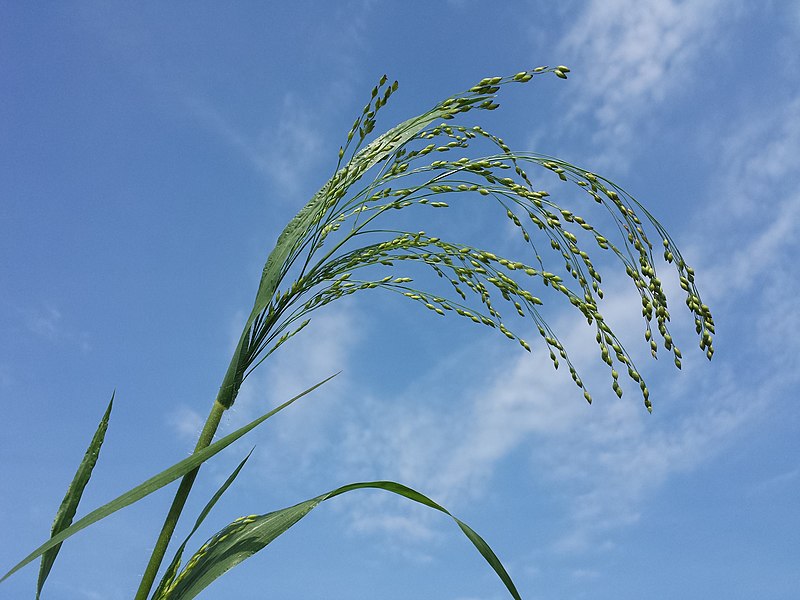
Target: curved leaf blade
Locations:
point(155, 483)
point(69, 505)
point(247, 535)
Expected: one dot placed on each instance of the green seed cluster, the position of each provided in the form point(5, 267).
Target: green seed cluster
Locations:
point(331, 253)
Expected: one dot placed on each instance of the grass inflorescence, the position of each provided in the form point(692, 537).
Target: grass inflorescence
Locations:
point(423, 163)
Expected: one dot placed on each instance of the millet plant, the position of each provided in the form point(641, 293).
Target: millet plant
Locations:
point(343, 241)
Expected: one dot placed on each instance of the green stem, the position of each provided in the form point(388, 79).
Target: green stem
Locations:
point(160, 549)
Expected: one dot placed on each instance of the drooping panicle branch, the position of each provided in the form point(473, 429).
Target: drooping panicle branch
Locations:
point(319, 256)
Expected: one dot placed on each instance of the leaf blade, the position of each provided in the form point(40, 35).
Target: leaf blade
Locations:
point(248, 535)
point(155, 483)
point(69, 505)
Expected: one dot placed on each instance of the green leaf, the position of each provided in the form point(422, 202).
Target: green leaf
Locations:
point(247, 535)
point(69, 504)
point(155, 483)
point(172, 570)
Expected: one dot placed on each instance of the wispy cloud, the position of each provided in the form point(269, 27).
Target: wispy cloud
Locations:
point(776, 483)
point(604, 459)
point(290, 146)
point(632, 55)
point(320, 350)
point(759, 153)
point(186, 422)
point(285, 151)
point(45, 322)
point(751, 265)
point(295, 147)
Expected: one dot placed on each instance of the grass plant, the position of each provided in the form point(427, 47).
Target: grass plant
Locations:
point(344, 241)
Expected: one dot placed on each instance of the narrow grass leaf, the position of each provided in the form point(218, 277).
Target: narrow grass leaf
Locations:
point(172, 570)
point(155, 483)
point(69, 504)
point(247, 535)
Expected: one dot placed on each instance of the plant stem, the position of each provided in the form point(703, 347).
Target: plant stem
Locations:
point(160, 549)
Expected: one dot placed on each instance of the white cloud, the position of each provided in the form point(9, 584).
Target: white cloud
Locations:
point(759, 153)
point(367, 519)
point(299, 435)
point(296, 438)
point(285, 151)
point(320, 350)
point(620, 469)
point(291, 145)
point(595, 452)
point(294, 147)
point(186, 422)
point(775, 484)
point(752, 266)
point(632, 55)
point(605, 459)
point(45, 322)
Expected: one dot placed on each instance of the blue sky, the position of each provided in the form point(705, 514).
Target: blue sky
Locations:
point(152, 155)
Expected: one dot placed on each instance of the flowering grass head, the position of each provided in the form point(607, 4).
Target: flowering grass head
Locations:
point(330, 249)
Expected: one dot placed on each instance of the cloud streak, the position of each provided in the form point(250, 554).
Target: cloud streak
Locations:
point(284, 152)
point(632, 56)
point(604, 460)
point(302, 440)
